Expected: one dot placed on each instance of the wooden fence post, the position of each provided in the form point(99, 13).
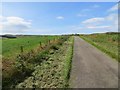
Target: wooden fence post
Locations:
point(40, 43)
point(21, 48)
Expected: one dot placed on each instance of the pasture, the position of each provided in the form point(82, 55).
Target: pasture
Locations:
point(12, 47)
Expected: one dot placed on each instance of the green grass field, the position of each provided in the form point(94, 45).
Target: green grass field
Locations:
point(12, 47)
point(108, 43)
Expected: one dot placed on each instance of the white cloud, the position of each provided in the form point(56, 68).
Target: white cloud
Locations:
point(101, 24)
point(99, 27)
point(112, 17)
point(60, 17)
point(1, 26)
point(114, 8)
point(93, 20)
point(1, 18)
point(14, 25)
point(108, 23)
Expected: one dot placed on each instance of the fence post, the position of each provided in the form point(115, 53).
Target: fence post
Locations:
point(40, 43)
point(21, 48)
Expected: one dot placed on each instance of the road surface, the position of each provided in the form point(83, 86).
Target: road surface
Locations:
point(91, 68)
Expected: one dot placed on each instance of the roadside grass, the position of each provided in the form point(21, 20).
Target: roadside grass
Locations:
point(54, 71)
point(68, 61)
point(106, 42)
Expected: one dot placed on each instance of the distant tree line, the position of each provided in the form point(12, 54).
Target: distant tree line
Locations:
point(8, 36)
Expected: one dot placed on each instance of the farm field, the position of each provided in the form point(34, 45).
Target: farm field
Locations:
point(12, 47)
point(107, 42)
point(37, 62)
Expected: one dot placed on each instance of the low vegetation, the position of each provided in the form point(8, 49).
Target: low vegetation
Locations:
point(53, 71)
point(44, 66)
point(107, 42)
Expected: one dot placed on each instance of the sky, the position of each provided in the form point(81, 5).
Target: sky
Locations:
point(49, 18)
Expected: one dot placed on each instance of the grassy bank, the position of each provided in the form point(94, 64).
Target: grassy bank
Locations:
point(15, 69)
point(106, 42)
point(48, 68)
point(52, 72)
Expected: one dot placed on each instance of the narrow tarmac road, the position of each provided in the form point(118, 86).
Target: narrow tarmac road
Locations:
point(91, 68)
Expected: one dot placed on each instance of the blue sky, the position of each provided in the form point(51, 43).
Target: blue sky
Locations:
point(58, 18)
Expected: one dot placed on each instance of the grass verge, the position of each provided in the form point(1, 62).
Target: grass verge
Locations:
point(103, 45)
point(54, 71)
point(68, 61)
